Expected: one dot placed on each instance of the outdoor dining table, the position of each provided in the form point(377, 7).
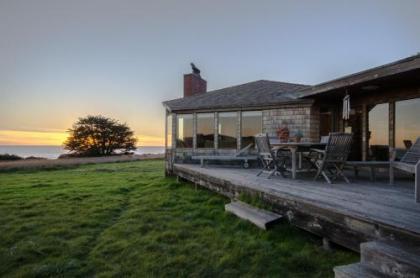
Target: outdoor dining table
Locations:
point(296, 148)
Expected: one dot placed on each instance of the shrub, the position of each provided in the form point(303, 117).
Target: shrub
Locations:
point(9, 157)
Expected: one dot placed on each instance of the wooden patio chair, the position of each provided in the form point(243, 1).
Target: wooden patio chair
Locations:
point(324, 139)
point(272, 164)
point(333, 158)
point(410, 162)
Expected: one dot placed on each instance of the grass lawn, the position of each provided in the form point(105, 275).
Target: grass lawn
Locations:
point(127, 219)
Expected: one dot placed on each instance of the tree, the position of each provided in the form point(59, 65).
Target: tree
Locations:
point(99, 136)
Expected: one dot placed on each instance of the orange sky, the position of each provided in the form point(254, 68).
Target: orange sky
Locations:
point(18, 137)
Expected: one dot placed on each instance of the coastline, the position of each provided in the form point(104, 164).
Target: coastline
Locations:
point(67, 162)
point(53, 152)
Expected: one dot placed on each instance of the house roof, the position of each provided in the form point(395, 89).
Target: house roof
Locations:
point(387, 71)
point(253, 94)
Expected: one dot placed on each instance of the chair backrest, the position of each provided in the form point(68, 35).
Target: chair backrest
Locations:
point(263, 146)
point(412, 156)
point(338, 146)
point(407, 144)
point(324, 139)
point(244, 151)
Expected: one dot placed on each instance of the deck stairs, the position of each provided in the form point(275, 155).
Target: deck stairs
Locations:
point(259, 217)
point(383, 259)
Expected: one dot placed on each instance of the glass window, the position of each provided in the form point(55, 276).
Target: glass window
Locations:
point(227, 130)
point(378, 132)
point(407, 122)
point(169, 131)
point(378, 124)
point(205, 130)
point(251, 125)
point(184, 131)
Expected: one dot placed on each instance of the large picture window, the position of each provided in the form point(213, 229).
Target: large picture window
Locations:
point(227, 130)
point(407, 123)
point(184, 137)
point(205, 130)
point(251, 125)
point(378, 132)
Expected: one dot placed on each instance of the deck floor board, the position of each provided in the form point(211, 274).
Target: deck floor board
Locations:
point(391, 205)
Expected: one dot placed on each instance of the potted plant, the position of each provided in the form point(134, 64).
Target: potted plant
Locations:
point(283, 132)
point(298, 135)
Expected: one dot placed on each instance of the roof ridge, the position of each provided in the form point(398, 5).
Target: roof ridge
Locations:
point(239, 85)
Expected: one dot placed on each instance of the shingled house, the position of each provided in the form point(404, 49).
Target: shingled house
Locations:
point(384, 101)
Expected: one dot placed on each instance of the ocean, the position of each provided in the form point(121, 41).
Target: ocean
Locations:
point(53, 152)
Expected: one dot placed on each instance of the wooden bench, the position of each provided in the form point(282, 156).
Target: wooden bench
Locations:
point(241, 155)
point(372, 165)
point(244, 159)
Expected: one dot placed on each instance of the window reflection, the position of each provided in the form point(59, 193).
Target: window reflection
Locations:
point(227, 130)
point(378, 132)
point(205, 130)
point(184, 131)
point(251, 125)
point(407, 122)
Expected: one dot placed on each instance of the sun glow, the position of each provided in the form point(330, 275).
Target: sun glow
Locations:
point(145, 140)
point(56, 138)
point(19, 137)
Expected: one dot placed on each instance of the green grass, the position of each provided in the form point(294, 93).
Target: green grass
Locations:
point(127, 219)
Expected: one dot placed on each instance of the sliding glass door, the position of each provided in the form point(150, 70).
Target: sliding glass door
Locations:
point(205, 130)
point(227, 130)
point(378, 135)
point(407, 122)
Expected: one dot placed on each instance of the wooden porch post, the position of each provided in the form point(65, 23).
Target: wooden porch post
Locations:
point(216, 130)
point(166, 130)
point(239, 130)
point(174, 130)
point(391, 121)
point(194, 131)
point(365, 132)
point(166, 144)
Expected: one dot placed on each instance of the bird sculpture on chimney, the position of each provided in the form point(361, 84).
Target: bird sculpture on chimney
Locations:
point(195, 69)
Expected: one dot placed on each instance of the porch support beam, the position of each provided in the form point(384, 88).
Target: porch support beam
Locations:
point(365, 132)
point(239, 130)
point(194, 131)
point(216, 130)
point(391, 122)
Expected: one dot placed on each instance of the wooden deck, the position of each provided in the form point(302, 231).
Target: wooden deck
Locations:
point(347, 214)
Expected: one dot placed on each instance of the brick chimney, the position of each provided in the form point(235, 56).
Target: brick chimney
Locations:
point(193, 83)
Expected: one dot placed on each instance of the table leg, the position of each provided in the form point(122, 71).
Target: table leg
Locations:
point(300, 160)
point(293, 151)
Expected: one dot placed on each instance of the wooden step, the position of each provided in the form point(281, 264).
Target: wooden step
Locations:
point(356, 270)
point(392, 259)
point(261, 218)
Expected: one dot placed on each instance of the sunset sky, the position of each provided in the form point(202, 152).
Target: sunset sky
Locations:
point(60, 60)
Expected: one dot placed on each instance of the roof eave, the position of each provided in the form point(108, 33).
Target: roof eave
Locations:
point(388, 70)
point(244, 107)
